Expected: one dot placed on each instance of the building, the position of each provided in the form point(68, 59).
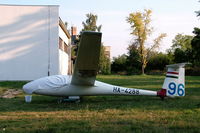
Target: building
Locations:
point(74, 35)
point(107, 51)
point(34, 42)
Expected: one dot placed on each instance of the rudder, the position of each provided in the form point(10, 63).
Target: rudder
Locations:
point(174, 83)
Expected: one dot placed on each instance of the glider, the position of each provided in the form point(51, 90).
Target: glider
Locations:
point(83, 81)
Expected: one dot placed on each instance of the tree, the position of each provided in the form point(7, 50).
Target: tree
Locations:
point(198, 12)
point(181, 48)
point(141, 30)
point(180, 56)
point(119, 64)
point(182, 41)
point(104, 62)
point(196, 47)
point(91, 23)
point(158, 62)
point(133, 63)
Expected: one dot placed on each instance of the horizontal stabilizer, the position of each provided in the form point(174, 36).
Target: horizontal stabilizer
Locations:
point(179, 65)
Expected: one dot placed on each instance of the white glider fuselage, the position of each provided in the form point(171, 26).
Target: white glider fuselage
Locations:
point(99, 88)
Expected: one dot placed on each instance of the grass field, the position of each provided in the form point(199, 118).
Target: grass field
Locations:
point(104, 114)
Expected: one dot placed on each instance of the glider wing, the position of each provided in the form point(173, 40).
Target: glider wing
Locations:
point(86, 65)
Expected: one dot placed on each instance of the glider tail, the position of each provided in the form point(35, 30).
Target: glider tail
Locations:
point(174, 83)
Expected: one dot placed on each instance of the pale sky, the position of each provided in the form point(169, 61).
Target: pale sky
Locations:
point(169, 16)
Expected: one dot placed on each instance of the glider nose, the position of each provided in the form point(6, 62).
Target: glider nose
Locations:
point(27, 88)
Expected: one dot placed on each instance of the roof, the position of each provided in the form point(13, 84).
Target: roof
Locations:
point(25, 5)
point(62, 25)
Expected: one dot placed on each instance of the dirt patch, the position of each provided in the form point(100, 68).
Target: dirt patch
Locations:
point(11, 93)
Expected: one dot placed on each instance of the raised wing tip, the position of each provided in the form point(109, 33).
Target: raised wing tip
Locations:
point(91, 32)
point(87, 61)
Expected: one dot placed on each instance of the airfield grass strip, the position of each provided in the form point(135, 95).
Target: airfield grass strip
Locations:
point(104, 114)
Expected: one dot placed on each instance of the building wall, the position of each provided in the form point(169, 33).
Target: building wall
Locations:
point(63, 62)
point(64, 50)
point(64, 44)
point(107, 51)
point(28, 42)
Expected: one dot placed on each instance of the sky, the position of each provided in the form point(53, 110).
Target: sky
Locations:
point(168, 16)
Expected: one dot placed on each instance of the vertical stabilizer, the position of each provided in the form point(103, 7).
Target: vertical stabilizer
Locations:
point(174, 83)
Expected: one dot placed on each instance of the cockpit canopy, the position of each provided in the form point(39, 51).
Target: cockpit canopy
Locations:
point(50, 82)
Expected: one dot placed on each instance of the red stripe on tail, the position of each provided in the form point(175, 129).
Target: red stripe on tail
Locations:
point(172, 73)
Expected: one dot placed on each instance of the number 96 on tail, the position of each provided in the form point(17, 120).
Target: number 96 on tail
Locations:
point(175, 89)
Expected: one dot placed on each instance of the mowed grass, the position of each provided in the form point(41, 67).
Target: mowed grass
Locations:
point(104, 113)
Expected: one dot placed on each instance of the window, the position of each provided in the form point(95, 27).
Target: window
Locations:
point(63, 46)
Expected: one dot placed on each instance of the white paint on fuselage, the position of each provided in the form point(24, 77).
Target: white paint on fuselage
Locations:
point(60, 85)
point(99, 88)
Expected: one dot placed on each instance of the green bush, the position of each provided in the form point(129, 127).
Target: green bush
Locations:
point(119, 64)
point(158, 62)
point(156, 72)
point(192, 71)
point(133, 71)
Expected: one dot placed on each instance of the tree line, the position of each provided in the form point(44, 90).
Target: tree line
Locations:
point(141, 59)
point(143, 56)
